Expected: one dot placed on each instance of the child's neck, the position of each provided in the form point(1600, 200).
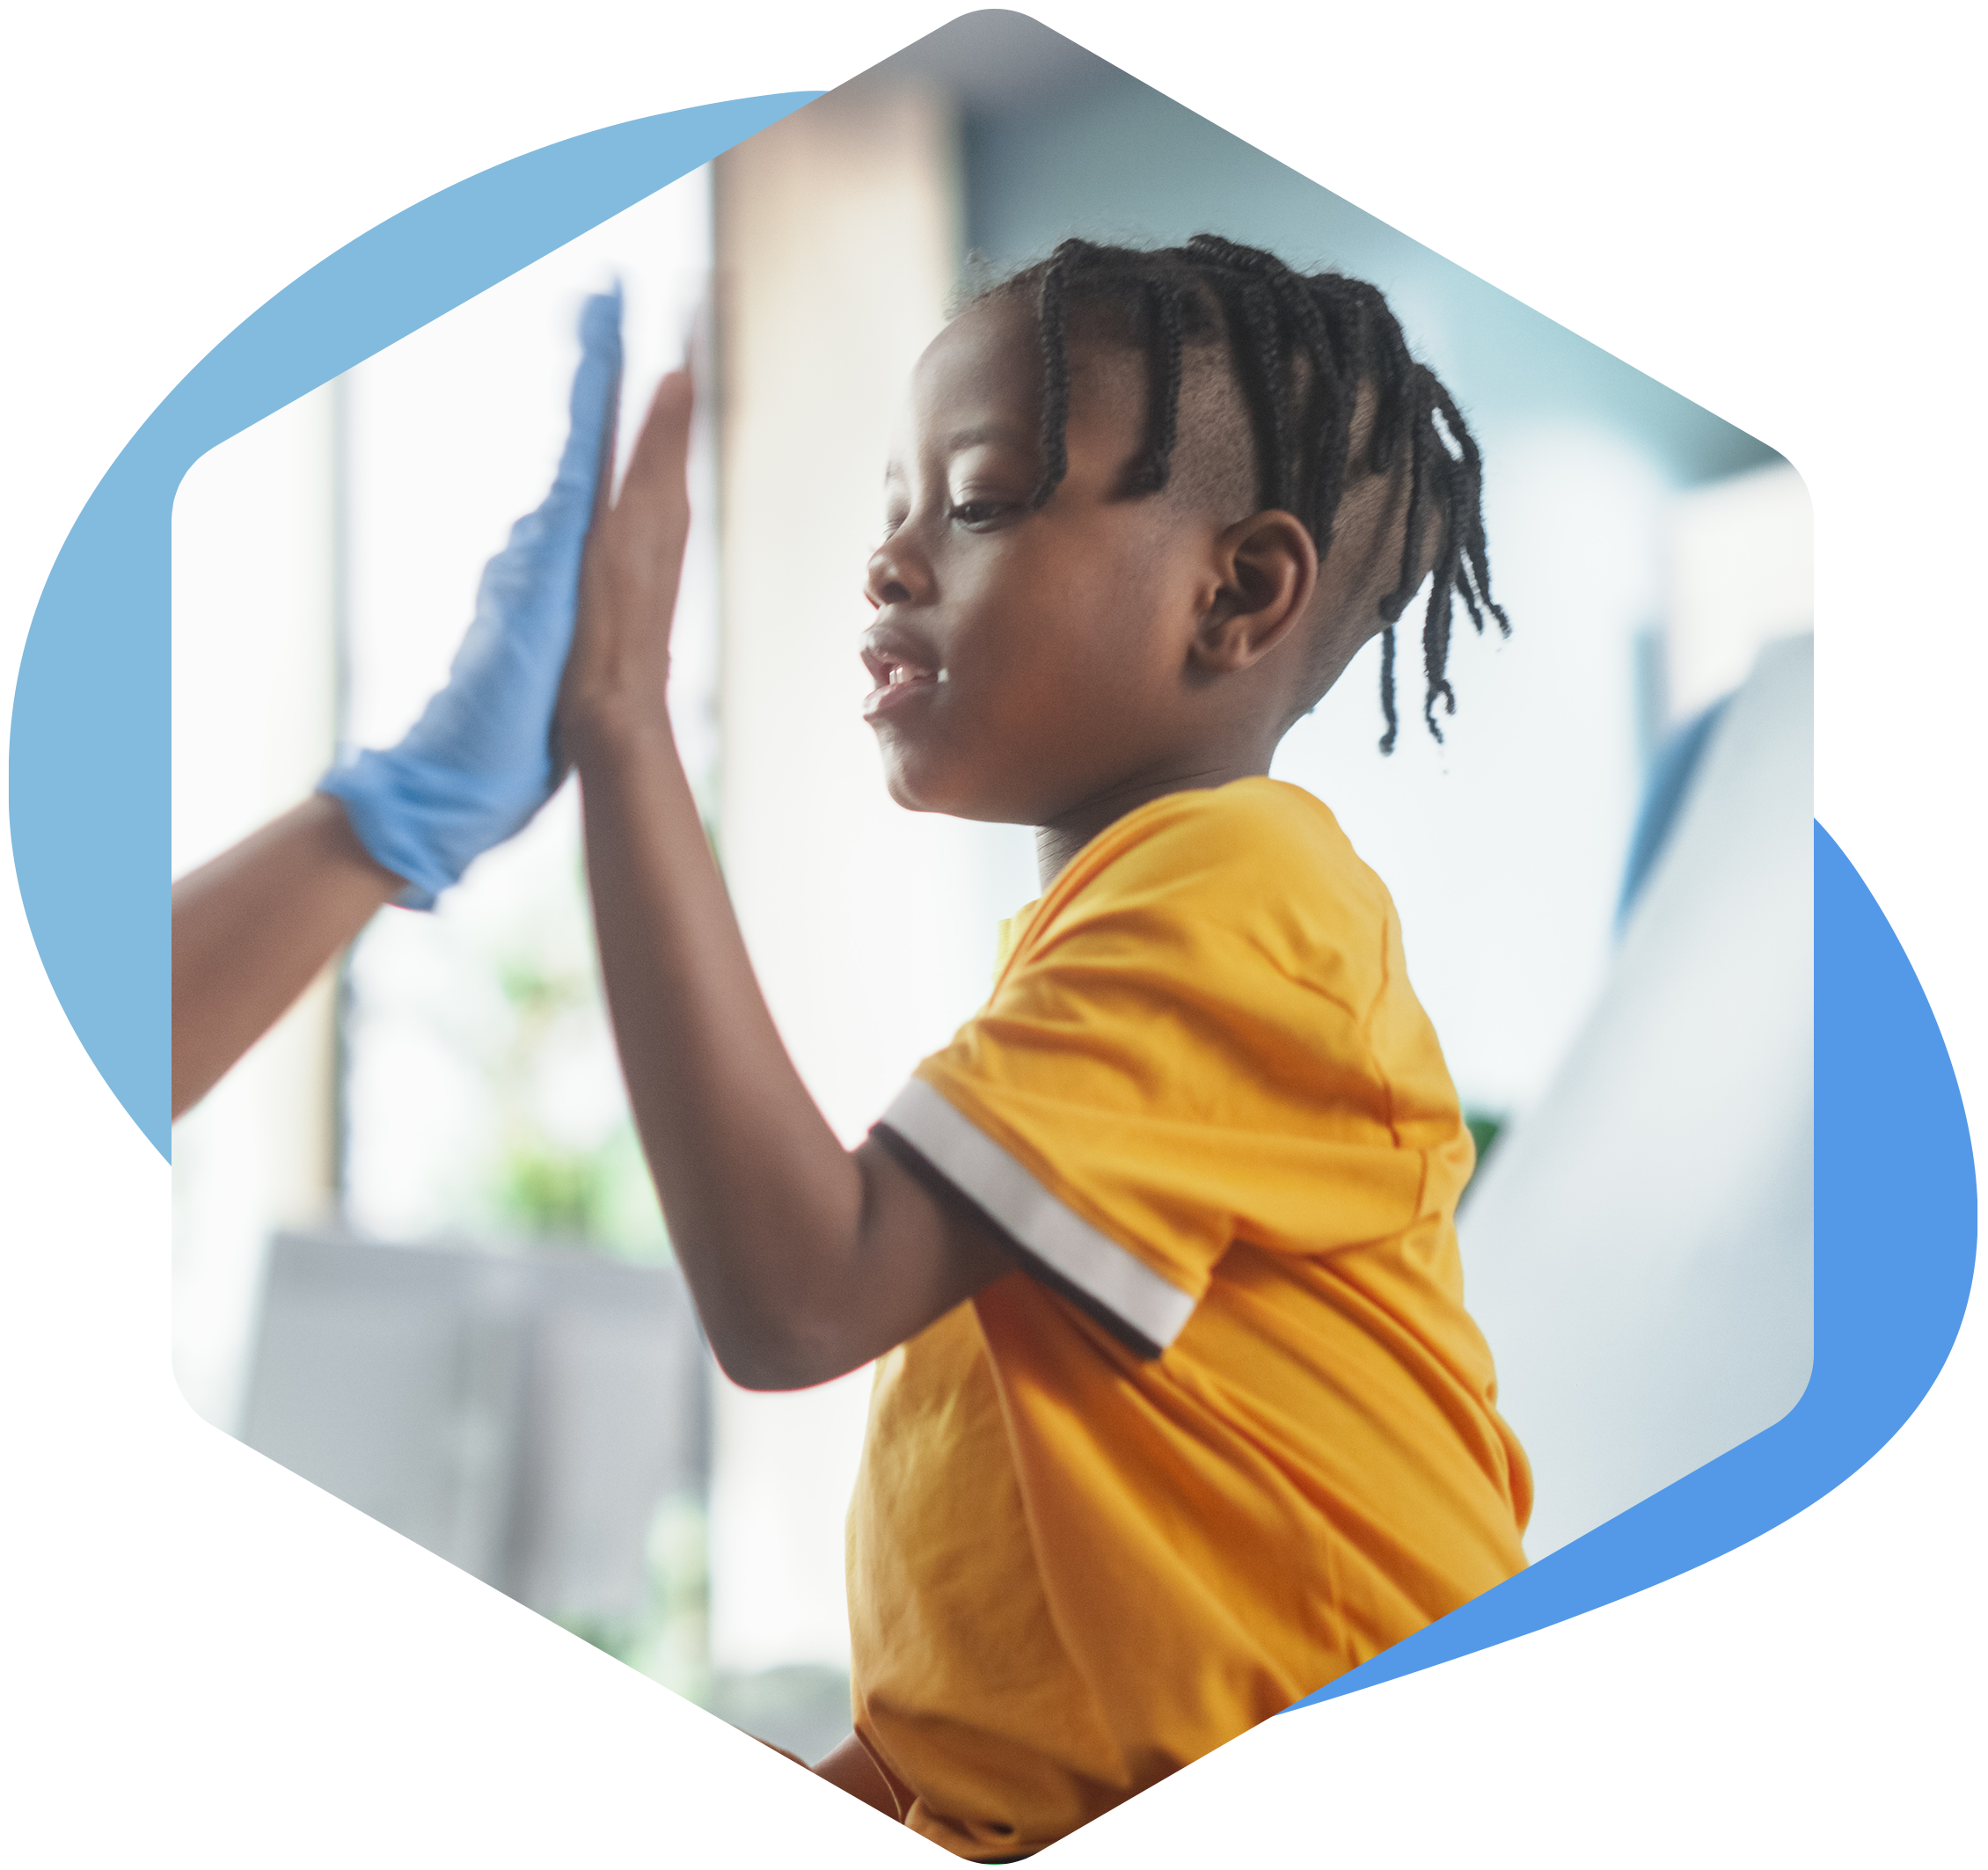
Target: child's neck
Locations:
point(1060, 840)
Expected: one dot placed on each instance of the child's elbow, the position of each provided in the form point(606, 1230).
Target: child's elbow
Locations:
point(770, 1358)
point(750, 1368)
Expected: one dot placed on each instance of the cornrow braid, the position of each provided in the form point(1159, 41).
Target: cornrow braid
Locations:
point(1051, 315)
point(1250, 313)
point(1155, 468)
point(1303, 348)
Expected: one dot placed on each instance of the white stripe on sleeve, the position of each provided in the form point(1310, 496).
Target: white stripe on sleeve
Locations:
point(1114, 1279)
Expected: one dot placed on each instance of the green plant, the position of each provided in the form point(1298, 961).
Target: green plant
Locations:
point(552, 1194)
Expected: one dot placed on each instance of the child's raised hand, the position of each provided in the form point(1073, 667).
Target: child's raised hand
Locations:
point(804, 1260)
point(617, 680)
point(480, 761)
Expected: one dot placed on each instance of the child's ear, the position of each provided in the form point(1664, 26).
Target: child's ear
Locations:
point(1268, 570)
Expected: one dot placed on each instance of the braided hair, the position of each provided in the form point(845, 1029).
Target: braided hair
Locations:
point(1302, 350)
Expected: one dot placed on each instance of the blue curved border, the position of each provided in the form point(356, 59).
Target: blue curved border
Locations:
point(1894, 1263)
point(96, 1471)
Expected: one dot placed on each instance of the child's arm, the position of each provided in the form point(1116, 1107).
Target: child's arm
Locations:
point(806, 1260)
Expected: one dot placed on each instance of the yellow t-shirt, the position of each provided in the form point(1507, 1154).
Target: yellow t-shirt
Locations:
point(1227, 1431)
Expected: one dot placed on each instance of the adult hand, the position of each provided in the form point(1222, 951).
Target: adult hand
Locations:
point(480, 761)
point(617, 679)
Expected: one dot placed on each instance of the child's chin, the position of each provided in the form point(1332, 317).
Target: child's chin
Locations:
point(914, 801)
point(915, 786)
point(929, 784)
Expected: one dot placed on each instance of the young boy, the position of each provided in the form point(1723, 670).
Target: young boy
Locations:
point(1178, 1414)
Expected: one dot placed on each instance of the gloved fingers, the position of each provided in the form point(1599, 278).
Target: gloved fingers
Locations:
point(477, 763)
point(514, 591)
point(596, 387)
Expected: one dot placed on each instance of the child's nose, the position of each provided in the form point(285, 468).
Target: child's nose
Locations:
point(891, 579)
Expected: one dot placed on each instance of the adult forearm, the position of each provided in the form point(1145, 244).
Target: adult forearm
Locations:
point(251, 929)
point(765, 1206)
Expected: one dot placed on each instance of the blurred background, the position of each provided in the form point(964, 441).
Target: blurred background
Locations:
point(417, 1256)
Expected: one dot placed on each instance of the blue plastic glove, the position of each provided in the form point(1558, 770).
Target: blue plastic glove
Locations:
point(479, 763)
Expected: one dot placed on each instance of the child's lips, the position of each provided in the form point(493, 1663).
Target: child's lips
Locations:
point(898, 686)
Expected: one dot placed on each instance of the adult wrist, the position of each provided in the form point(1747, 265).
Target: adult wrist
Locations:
point(332, 815)
point(406, 817)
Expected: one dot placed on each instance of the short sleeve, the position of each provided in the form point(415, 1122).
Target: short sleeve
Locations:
point(1176, 1056)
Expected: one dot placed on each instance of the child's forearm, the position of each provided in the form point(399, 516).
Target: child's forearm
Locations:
point(745, 1164)
point(806, 1260)
point(251, 929)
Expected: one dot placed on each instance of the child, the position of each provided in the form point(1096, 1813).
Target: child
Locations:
point(1178, 1413)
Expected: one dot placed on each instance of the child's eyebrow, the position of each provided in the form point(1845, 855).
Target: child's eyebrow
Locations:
point(986, 432)
point(979, 436)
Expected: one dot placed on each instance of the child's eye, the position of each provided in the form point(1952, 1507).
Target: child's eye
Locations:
point(980, 512)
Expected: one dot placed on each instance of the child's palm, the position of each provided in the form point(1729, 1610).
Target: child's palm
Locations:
point(618, 677)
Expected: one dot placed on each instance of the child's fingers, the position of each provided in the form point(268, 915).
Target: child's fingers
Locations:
point(657, 466)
